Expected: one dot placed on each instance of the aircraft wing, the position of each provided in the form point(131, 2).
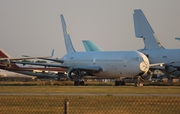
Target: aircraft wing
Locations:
point(50, 59)
point(83, 68)
point(177, 39)
point(156, 64)
point(21, 58)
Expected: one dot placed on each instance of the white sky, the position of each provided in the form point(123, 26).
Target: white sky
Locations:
point(33, 27)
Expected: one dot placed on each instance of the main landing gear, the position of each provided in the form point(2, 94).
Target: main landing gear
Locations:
point(138, 83)
point(78, 82)
point(120, 82)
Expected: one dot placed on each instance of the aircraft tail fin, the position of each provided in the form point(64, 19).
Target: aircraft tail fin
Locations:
point(3, 54)
point(67, 39)
point(144, 30)
point(90, 46)
point(52, 54)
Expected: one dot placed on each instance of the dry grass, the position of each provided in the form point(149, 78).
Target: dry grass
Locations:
point(93, 89)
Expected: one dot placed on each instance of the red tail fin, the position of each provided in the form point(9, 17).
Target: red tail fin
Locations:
point(3, 54)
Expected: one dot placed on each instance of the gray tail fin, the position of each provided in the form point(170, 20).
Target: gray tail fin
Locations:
point(144, 30)
point(67, 39)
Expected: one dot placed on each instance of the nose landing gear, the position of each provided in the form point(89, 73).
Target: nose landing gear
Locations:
point(120, 82)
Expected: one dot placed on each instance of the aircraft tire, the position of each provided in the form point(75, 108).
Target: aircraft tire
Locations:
point(76, 83)
point(123, 82)
point(82, 82)
point(117, 83)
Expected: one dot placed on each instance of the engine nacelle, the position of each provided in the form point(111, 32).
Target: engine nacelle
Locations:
point(73, 74)
point(170, 69)
point(6, 63)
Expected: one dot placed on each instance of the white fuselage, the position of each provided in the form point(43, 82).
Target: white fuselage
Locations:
point(8, 74)
point(115, 64)
point(37, 71)
point(167, 56)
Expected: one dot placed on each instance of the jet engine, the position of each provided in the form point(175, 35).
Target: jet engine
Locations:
point(73, 74)
point(170, 70)
point(6, 63)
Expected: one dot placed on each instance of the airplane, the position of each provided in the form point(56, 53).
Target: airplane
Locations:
point(102, 64)
point(91, 46)
point(153, 49)
point(38, 71)
point(8, 74)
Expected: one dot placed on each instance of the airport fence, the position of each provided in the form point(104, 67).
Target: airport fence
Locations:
point(88, 104)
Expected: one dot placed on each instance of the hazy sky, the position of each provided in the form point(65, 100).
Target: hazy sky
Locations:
point(33, 27)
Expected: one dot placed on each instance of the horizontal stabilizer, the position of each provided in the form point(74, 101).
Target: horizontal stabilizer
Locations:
point(177, 39)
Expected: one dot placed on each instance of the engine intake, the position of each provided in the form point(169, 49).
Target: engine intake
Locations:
point(73, 74)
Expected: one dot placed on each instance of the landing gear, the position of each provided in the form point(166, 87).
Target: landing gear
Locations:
point(120, 82)
point(117, 83)
point(82, 82)
point(77, 82)
point(138, 83)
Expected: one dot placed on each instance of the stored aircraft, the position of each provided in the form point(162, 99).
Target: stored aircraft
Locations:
point(91, 46)
point(104, 64)
point(38, 71)
point(153, 49)
point(8, 74)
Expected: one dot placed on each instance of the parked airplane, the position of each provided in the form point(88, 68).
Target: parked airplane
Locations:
point(38, 71)
point(104, 64)
point(153, 49)
point(8, 74)
point(91, 46)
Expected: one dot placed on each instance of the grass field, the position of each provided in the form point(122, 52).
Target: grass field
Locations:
point(92, 89)
point(108, 104)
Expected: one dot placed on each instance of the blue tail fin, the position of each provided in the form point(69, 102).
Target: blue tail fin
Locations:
point(67, 39)
point(90, 46)
point(143, 30)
